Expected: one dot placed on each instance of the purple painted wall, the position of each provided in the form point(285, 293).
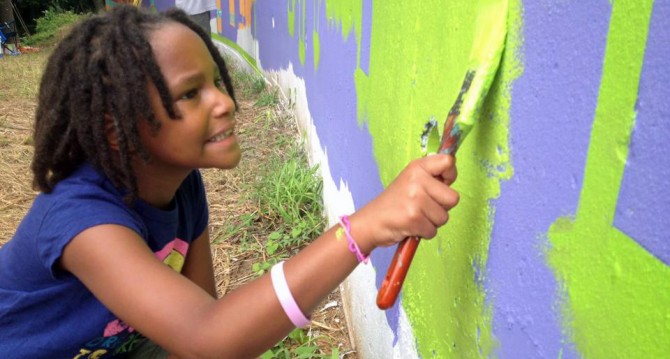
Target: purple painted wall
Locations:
point(643, 200)
point(554, 105)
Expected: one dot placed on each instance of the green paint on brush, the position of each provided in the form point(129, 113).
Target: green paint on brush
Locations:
point(485, 53)
point(616, 299)
point(409, 82)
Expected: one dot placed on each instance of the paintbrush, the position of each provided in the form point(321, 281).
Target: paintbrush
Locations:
point(485, 54)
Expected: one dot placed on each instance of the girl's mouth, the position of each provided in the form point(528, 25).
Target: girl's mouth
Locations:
point(222, 136)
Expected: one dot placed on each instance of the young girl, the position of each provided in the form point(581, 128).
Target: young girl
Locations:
point(113, 258)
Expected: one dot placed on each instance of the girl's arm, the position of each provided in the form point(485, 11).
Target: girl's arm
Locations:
point(118, 267)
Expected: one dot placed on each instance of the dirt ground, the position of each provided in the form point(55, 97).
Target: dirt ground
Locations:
point(19, 78)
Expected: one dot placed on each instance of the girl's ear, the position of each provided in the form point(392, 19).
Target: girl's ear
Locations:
point(110, 132)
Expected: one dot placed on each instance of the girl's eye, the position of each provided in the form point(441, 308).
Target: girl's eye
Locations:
point(190, 94)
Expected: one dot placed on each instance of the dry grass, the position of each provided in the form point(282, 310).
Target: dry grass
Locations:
point(234, 216)
point(19, 80)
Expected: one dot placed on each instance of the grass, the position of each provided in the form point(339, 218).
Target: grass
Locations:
point(263, 211)
point(19, 78)
point(247, 83)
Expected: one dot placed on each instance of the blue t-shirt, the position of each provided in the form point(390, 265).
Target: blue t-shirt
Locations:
point(46, 312)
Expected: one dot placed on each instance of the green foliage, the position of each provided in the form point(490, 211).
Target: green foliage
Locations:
point(250, 83)
point(245, 82)
point(289, 194)
point(41, 5)
point(30, 10)
point(52, 23)
point(255, 84)
point(267, 98)
point(236, 228)
point(298, 345)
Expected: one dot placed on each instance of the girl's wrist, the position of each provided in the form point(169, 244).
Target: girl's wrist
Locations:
point(361, 234)
point(345, 231)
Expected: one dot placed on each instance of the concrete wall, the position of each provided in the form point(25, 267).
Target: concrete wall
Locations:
point(560, 245)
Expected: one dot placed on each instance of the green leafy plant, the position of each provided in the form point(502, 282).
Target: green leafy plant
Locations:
point(267, 98)
point(245, 82)
point(289, 194)
point(50, 26)
point(235, 227)
point(299, 345)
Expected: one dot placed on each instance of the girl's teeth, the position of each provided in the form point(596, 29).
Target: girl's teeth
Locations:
point(221, 136)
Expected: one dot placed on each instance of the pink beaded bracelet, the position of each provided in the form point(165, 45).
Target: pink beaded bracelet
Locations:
point(286, 298)
point(353, 247)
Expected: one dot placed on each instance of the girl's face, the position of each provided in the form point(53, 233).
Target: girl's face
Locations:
point(204, 136)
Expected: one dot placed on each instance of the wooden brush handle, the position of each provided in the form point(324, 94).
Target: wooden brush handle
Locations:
point(395, 276)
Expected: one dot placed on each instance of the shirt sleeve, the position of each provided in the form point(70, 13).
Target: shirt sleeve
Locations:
point(68, 217)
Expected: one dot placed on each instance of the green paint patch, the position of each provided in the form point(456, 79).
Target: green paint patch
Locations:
point(418, 57)
point(316, 46)
point(291, 17)
point(345, 14)
point(302, 52)
point(302, 32)
point(616, 300)
point(348, 15)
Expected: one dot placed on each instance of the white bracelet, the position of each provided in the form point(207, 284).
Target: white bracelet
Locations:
point(286, 298)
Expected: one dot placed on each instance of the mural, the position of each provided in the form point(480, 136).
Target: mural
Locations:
point(617, 282)
point(560, 246)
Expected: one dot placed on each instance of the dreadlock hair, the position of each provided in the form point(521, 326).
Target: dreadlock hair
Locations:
point(98, 74)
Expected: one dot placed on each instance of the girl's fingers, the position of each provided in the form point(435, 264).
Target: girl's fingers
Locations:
point(449, 176)
point(419, 198)
point(440, 165)
point(435, 214)
point(444, 195)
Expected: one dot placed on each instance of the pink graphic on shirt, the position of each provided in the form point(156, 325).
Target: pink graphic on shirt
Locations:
point(177, 245)
point(115, 327)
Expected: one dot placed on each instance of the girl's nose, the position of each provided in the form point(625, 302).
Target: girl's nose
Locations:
point(224, 106)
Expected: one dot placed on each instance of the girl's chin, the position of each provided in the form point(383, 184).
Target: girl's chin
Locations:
point(232, 160)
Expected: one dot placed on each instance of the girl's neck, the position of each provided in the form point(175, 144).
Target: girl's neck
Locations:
point(157, 188)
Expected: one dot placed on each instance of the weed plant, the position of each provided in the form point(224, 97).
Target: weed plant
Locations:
point(298, 345)
point(50, 27)
point(267, 98)
point(246, 82)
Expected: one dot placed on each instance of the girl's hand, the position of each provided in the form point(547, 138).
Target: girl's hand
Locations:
point(416, 203)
